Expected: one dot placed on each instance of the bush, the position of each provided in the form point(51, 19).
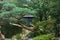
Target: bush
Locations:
point(43, 37)
point(18, 37)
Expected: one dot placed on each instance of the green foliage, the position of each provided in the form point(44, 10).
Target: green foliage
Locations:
point(10, 30)
point(23, 10)
point(47, 13)
point(10, 13)
point(58, 25)
point(8, 6)
point(44, 37)
point(9, 10)
point(44, 27)
point(18, 37)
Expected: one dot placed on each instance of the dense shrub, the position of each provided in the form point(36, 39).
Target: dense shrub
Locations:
point(44, 27)
point(43, 37)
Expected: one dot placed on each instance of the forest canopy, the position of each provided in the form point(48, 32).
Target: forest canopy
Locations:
point(46, 17)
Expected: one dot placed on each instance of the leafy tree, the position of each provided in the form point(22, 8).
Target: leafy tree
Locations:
point(46, 12)
point(12, 14)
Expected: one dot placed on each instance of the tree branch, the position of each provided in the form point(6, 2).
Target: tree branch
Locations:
point(23, 26)
point(20, 17)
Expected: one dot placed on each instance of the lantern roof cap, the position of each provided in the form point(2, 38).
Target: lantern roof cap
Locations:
point(28, 16)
